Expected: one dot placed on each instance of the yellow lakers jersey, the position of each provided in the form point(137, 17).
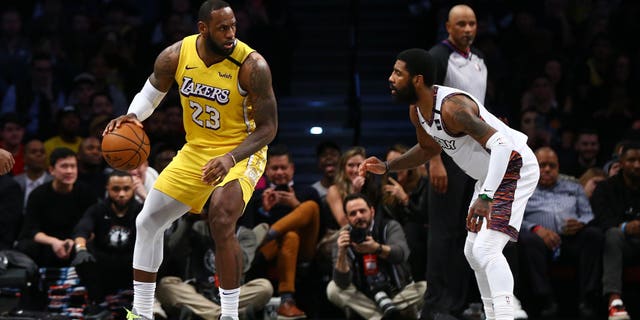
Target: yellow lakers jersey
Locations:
point(215, 109)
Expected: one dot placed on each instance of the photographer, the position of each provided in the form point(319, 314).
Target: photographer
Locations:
point(371, 275)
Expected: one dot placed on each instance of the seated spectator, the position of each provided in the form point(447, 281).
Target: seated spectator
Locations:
point(53, 209)
point(590, 179)
point(371, 275)
point(104, 239)
point(586, 154)
point(555, 227)
point(91, 166)
point(68, 126)
point(404, 199)
point(348, 181)
point(616, 205)
point(293, 215)
point(198, 292)
point(327, 157)
point(11, 135)
point(35, 164)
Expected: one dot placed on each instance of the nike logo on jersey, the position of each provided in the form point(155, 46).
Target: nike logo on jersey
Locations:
point(189, 68)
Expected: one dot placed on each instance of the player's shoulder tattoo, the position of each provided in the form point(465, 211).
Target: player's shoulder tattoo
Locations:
point(259, 73)
point(167, 60)
point(464, 113)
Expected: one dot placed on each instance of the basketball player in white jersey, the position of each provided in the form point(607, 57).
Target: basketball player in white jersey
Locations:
point(487, 150)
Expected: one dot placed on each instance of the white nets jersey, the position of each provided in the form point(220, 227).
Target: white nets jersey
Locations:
point(466, 152)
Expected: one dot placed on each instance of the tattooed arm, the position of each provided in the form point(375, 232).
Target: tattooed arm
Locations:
point(164, 69)
point(255, 77)
point(461, 115)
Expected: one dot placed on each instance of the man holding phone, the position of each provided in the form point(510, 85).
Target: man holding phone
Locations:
point(293, 214)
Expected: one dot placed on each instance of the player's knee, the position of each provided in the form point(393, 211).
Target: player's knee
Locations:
point(483, 253)
point(222, 223)
point(468, 253)
point(145, 226)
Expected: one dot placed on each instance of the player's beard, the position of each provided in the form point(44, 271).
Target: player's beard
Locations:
point(219, 50)
point(406, 94)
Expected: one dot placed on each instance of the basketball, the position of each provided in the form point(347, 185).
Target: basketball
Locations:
point(126, 148)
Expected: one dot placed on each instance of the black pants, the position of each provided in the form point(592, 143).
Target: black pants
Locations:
point(110, 273)
point(448, 272)
point(584, 250)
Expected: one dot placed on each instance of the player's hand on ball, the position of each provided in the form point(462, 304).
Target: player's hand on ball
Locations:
point(480, 210)
point(373, 165)
point(117, 122)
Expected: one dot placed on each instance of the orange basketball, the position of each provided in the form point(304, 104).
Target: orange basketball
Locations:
point(126, 148)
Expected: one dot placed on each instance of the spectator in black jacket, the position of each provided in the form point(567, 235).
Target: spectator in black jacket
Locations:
point(112, 223)
point(616, 205)
point(53, 210)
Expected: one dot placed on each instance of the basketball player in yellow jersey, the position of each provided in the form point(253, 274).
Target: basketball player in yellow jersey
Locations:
point(229, 115)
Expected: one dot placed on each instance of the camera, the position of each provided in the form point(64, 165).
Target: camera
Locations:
point(282, 187)
point(379, 286)
point(358, 235)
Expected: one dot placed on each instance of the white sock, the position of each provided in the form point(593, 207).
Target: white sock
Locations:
point(488, 308)
point(229, 299)
point(503, 307)
point(143, 293)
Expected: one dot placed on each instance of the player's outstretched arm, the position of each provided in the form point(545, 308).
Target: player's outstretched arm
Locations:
point(255, 77)
point(153, 91)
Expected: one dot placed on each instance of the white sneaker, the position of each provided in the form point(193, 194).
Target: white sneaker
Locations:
point(518, 312)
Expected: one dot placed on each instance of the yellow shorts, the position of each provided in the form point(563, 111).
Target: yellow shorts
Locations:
point(181, 179)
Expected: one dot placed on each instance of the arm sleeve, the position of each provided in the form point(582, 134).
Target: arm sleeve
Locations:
point(146, 101)
point(501, 148)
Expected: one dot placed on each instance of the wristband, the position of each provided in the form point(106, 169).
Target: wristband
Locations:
point(534, 229)
point(386, 167)
point(80, 247)
point(623, 226)
point(379, 249)
point(485, 197)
